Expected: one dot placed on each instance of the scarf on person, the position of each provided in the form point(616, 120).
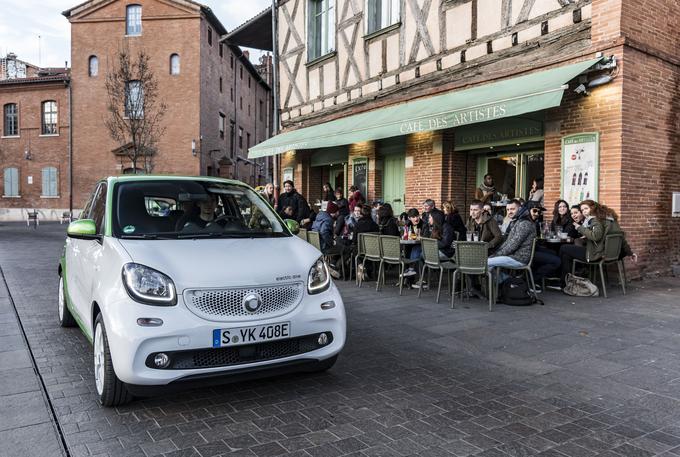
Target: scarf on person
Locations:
point(484, 188)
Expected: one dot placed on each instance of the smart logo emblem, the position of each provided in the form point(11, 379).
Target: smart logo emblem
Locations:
point(252, 302)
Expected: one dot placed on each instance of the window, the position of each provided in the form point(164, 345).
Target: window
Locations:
point(174, 64)
point(248, 82)
point(49, 117)
point(247, 141)
point(134, 100)
point(231, 61)
point(11, 117)
point(49, 182)
point(133, 20)
point(240, 138)
point(240, 102)
point(382, 13)
point(321, 36)
point(209, 36)
point(231, 93)
point(93, 66)
point(220, 84)
point(222, 124)
point(221, 51)
point(99, 208)
point(11, 176)
point(261, 110)
point(241, 76)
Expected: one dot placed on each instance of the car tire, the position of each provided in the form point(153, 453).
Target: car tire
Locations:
point(324, 365)
point(111, 391)
point(65, 317)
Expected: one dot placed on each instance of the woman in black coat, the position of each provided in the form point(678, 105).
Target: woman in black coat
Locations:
point(386, 221)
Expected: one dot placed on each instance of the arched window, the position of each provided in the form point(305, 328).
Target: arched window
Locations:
point(174, 64)
point(93, 66)
point(49, 182)
point(133, 20)
point(49, 117)
point(11, 120)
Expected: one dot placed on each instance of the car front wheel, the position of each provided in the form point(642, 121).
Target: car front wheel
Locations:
point(65, 317)
point(110, 390)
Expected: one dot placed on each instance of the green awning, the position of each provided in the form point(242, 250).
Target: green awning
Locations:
point(510, 97)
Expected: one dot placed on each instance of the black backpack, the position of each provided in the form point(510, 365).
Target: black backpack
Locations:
point(515, 292)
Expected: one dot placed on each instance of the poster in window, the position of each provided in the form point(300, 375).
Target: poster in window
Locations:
point(360, 170)
point(580, 167)
point(287, 174)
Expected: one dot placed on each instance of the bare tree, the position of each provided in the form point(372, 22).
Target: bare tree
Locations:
point(135, 113)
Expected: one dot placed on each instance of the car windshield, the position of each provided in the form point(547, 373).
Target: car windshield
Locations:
point(176, 209)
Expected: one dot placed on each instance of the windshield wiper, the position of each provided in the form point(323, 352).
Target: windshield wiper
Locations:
point(146, 236)
point(231, 235)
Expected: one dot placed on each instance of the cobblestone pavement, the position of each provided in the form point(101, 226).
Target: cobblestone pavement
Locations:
point(578, 378)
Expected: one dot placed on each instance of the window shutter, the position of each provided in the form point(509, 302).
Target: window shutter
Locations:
point(11, 176)
point(53, 182)
point(45, 181)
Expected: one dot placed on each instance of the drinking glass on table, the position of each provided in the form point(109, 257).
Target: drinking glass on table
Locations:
point(468, 235)
point(475, 236)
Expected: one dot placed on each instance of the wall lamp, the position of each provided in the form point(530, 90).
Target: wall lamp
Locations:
point(193, 148)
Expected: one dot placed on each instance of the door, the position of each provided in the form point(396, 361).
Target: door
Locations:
point(393, 182)
point(336, 176)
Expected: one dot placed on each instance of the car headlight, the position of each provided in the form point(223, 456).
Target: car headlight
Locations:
point(148, 286)
point(319, 279)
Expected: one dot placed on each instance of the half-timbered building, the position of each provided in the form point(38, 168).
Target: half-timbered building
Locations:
point(415, 99)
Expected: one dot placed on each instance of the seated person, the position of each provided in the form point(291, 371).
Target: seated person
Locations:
point(414, 226)
point(443, 232)
point(516, 249)
point(484, 225)
point(323, 224)
point(561, 220)
point(577, 217)
point(365, 224)
point(288, 212)
point(546, 261)
point(206, 212)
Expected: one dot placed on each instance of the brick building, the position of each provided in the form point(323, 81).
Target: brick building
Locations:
point(415, 100)
point(34, 128)
point(218, 104)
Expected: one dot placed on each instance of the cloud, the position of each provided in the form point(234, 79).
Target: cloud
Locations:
point(21, 25)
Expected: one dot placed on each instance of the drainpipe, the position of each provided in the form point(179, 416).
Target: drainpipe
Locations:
point(275, 92)
point(70, 148)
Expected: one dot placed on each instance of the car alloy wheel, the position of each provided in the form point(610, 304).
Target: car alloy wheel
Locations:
point(65, 317)
point(110, 390)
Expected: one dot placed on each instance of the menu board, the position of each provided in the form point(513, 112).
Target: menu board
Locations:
point(580, 167)
point(359, 173)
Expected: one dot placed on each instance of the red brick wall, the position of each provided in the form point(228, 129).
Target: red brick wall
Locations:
point(366, 149)
point(653, 23)
point(425, 179)
point(651, 158)
point(45, 151)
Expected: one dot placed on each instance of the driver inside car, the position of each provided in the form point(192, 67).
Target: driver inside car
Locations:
point(205, 214)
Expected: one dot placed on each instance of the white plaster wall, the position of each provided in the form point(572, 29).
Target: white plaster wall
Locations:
point(458, 25)
point(488, 17)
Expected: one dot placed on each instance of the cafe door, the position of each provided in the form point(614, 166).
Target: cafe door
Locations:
point(394, 181)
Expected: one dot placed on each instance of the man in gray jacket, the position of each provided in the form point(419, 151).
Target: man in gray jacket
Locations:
point(515, 251)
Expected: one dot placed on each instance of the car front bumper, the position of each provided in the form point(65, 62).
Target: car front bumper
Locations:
point(185, 333)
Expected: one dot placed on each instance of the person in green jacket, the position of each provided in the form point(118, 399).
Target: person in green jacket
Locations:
point(591, 244)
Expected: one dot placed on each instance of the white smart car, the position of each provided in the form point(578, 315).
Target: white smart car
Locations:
point(189, 279)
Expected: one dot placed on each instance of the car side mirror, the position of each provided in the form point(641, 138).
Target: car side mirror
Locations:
point(84, 229)
point(293, 226)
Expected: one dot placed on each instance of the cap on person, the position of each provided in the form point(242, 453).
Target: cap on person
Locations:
point(331, 208)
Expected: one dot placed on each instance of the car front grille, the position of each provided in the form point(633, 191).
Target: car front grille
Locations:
point(238, 355)
point(227, 304)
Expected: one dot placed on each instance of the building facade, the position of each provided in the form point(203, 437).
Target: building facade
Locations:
point(415, 99)
point(34, 140)
point(217, 104)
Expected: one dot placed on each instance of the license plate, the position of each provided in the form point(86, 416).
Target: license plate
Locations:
point(250, 335)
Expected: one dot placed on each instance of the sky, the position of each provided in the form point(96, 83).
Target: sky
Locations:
point(23, 21)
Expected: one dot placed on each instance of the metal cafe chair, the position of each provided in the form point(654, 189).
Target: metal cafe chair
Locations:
point(314, 239)
point(431, 261)
point(612, 249)
point(372, 253)
point(302, 234)
point(471, 260)
point(361, 252)
point(390, 248)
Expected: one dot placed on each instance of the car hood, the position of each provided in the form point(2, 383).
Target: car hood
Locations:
point(208, 263)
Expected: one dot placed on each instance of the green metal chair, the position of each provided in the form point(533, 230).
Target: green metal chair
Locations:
point(471, 259)
point(372, 252)
point(527, 269)
point(431, 261)
point(390, 248)
point(612, 250)
point(314, 239)
point(361, 252)
point(302, 234)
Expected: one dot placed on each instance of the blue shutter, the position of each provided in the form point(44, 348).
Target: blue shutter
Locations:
point(11, 177)
point(49, 182)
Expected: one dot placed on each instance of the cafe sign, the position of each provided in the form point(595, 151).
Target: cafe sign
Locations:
point(580, 167)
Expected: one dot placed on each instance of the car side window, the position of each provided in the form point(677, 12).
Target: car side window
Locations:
point(85, 213)
point(99, 209)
